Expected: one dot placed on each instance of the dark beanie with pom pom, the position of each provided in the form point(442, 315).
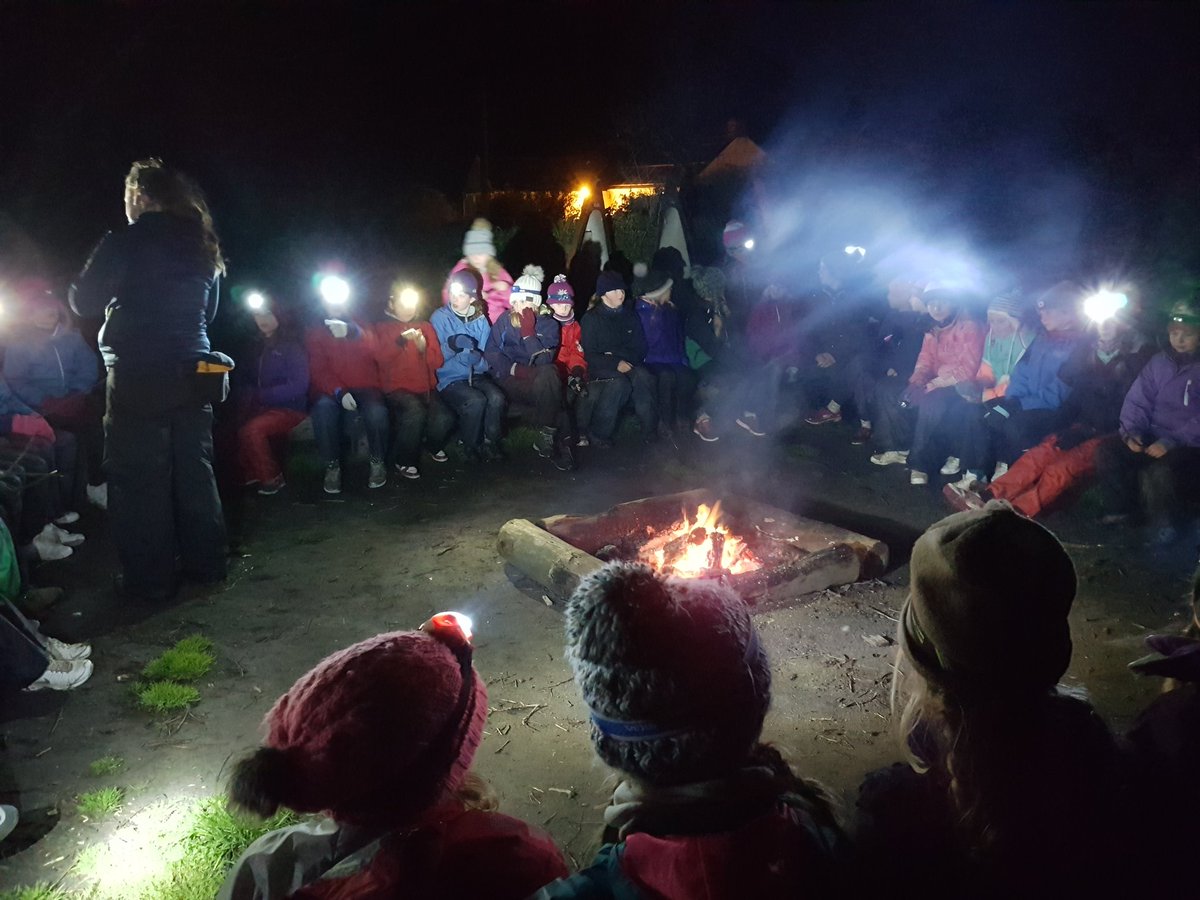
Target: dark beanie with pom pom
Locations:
point(672, 671)
point(372, 735)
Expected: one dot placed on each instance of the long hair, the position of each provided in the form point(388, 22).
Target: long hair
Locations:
point(180, 196)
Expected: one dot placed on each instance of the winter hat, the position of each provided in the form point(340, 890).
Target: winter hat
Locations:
point(672, 671)
point(609, 280)
point(652, 285)
point(1064, 295)
point(379, 731)
point(560, 291)
point(709, 282)
point(529, 285)
point(1185, 312)
point(468, 280)
point(735, 235)
point(988, 601)
point(479, 239)
point(1008, 304)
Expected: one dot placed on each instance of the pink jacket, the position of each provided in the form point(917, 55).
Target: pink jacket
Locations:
point(496, 289)
point(950, 351)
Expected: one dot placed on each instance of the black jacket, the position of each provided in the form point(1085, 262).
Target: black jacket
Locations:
point(156, 289)
point(1098, 388)
point(609, 336)
point(900, 336)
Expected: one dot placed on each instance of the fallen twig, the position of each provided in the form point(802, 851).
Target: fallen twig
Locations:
point(502, 746)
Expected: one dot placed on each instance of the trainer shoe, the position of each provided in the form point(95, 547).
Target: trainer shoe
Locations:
point(67, 518)
point(824, 416)
point(890, 457)
point(409, 472)
point(862, 436)
point(69, 652)
point(63, 675)
point(915, 477)
point(951, 466)
point(8, 820)
point(333, 478)
point(970, 483)
point(749, 421)
point(703, 429)
point(583, 441)
point(378, 476)
point(439, 457)
point(97, 495)
point(961, 498)
point(274, 486)
point(66, 538)
point(50, 550)
point(1001, 471)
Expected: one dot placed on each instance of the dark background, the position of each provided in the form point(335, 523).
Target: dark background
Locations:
point(1055, 136)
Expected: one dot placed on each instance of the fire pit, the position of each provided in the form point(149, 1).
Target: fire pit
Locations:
point(770, 556)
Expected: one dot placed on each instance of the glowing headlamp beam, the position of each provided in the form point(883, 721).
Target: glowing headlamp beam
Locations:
point(255, 301)
point(334, 290)
point(409, 298)
point(749, 244)
point(1103, 305)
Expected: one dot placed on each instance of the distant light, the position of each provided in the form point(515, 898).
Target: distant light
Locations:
point(749, 245)
point(334, 290)
point(1103, 305)
point(256, 301)
point(855, 250)
point(579, 197)
point(409, 298)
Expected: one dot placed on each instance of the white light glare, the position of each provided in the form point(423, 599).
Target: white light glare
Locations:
point(854, 250)
point(749, 245)
point(334, 289)
point(409, 298)
point(1103, 305)
point(256, 301)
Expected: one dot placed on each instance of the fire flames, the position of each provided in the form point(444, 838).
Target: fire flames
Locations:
point(699, 547)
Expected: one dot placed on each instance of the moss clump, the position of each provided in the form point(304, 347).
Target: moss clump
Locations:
point(189, 660)
point(104, 802)
point(106, 765)
point(166, 696)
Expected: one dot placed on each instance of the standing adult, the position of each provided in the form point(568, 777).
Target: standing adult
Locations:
point(155, 284)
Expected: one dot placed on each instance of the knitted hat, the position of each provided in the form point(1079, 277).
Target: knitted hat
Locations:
point(652, 285)
point(560, 291)
point(377, 732)
point(1186, 312)
point(479, 239)
point(709, 282)
point(671, 670)
point(609, 281)
point(1064, 295)
point(529, 285)
point(735, 235)
point(1009, 304)
point(988, 601)
point(468, 280)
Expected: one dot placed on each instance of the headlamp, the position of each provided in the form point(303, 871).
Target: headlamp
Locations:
point(409, 298)
point(450, 623)
point(256, 302)
point(1103, 305)
point(334, 290)
point(749, 244)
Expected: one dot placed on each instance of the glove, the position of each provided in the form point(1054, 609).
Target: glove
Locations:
point(33, 426)
point(528, 322)
point(473, 357)
point(577, 385)
point(460, 342)
point(337, 327)
point(348, 402)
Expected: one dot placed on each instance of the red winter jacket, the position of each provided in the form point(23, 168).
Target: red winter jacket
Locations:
point(950, 351)
point(336, 364)
point(402, 365)
point(497, 289)
point(570, 351)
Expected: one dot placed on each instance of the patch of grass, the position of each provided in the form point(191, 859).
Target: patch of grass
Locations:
point(40, 891)
point(100, 803)
point(166, 696)
point(520, 439)
point(189, 660)
point(106, 765)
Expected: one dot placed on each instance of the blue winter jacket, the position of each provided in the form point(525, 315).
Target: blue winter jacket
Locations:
point(156, 289)
point(460, 365)
point(1034, 381)
point(663, 326)
point(506, 348)
point(41, 364)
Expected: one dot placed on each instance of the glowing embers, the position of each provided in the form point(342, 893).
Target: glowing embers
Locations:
point(699, 546)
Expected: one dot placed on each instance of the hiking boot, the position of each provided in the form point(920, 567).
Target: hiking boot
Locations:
point(703, 429)
point(749, 421)
point(439, 457)
point(274, 486)
point(915, 477)
point(862, 436)
point(64, 651)
point(824, 416)
point(378, 476)
point(333, 478)
point(890, 457)
point(951, 466)
point(63, 675)
point(97, 495)
point(409, 472)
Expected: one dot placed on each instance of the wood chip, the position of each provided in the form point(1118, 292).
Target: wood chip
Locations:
point(878, 640)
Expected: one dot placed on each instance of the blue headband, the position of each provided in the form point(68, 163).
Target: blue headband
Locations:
point(620, 730)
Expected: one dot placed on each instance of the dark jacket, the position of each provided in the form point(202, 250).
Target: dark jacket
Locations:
point(281, 376)
point(506, 348)
point(901, 334)
point(156, 289)
point(1098, 386)
point(662, 324)
point(40, 364)
point(610, 336)
point(836, 323)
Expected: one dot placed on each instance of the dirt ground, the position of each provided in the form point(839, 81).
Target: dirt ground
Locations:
point(317, 573)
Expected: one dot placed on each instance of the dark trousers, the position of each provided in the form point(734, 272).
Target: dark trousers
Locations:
point(1164, 487)
point(83, 416)
point(331, 420)
point(674, 387)
point(30, 480)
point(836, 382)
point(479, 408)
point(939, 420)
point(1022, 430)
point(23, 658)
point(892, 424)
point(538, 387)
point(416, 417)
point(162, 495)
point(606, 397)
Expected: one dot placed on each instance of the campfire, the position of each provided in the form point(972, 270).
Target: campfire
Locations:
point(699, 547)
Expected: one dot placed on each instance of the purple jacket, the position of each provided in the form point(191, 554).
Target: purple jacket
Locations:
point(663, 326)
point(282, 376)
point(1164, 403)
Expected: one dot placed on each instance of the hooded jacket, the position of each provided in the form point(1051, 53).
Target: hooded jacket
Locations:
point(40, 364)
point(156, 290)
point(610, 336)
point(460, 365)
point(1098, 384)
point(506, 348)
point(496, 292)
point(1163, 405)
point(404, 366)
point(1035, 382)
point(662, 324)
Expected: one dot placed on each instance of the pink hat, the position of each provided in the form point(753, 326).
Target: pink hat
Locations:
point(736, 234)
point(378, 732)
point(560, 291)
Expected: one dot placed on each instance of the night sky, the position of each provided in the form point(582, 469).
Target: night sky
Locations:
point(327, 128)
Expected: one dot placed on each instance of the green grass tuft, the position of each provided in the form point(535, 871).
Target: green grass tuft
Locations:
point(40, 891)
point(196, 643)
point(106, 765)
point(166, 696)
point(104, 802)
point(189, 660)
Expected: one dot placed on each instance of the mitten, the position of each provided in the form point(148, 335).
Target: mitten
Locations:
point(528, 322)
point(348, 402)
point(337, 327)
point(460, 342)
